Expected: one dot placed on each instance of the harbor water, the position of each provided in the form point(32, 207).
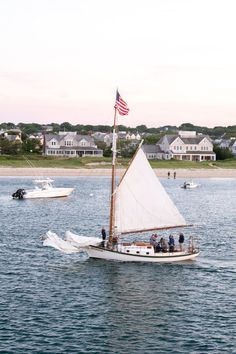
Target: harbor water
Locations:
point(56, 303)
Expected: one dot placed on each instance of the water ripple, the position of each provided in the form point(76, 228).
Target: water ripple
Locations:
point(56, 303)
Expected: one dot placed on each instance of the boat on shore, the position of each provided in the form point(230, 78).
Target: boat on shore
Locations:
point(43, 189)
point(138, 204)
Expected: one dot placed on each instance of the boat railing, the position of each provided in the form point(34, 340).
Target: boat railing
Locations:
point(193, 245)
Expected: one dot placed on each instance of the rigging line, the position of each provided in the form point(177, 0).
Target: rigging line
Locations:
point(30, 163)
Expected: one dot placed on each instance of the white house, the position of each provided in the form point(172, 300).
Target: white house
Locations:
point(186, 145)
point(132, 136)
point(233, 148)
point(70, 145)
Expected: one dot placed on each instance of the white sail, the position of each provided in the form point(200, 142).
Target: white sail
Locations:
point(141, 201)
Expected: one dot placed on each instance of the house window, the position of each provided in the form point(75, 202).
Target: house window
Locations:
point(68, 143)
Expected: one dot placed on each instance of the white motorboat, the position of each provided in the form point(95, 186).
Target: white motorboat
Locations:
point(139, 204)
point(189, 185)
point(43, 189)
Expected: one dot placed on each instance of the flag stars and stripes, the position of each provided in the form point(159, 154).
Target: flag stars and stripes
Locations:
point(121, 105)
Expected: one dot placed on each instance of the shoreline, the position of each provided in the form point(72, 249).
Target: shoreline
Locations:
point(102, 172)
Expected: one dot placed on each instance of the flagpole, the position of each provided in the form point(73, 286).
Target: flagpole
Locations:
point(112, 206)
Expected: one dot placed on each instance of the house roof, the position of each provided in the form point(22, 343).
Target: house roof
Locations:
point(13, 138)
point(151, 149)
point(187, 141)
point(193, 141)
point(194, 153)
point(69, 136)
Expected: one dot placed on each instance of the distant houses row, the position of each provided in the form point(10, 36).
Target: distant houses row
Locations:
point(184, 145)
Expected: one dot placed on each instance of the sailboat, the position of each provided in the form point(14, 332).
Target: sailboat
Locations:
point(139, 204)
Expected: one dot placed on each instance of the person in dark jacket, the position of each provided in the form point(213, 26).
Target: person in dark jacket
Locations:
point(181, 241)
point(171, 243)
point(104, 236)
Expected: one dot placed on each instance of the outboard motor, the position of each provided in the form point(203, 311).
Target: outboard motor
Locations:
point(19, 194)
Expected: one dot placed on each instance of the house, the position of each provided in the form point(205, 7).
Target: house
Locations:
point(225, 143)
point(132, 136)
point(153, 152)
point(186, 145)
point(14, 138)
point(12, 135)
point(233, 148)
point(70, 144)
point(98, 136)
point(122, 135)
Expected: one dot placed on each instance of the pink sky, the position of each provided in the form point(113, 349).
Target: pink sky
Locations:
point(173, 61)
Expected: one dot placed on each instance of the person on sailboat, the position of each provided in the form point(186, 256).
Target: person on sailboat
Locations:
point(181, 241)
point(171, 243)
point(104, 235)
point(153, 240)
point(163, 244)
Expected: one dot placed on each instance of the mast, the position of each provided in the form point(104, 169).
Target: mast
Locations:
point(44, 143)
point(112, 205)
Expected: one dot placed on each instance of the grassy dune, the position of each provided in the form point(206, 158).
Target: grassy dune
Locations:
point(103, 162)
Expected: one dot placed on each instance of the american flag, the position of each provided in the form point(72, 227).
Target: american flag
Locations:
point(121, 105)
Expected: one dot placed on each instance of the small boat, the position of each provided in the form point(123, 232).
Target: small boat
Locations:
point(138, 204)
point(189, 185)
point(43, 189)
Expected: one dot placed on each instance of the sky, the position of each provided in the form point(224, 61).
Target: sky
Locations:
point(173, 61)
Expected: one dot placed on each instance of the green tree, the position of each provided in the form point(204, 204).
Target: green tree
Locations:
point(32, 145)
point(10, 148)
point(141, 128)
point(67, 127)
point(7, 126)
point(152, 139)
point(30, 128)
point(222, 153)
point(106, 149)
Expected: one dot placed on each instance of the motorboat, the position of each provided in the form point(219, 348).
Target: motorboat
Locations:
point(43, 189)
point(189, 185)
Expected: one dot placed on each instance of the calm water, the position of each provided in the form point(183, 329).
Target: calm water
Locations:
point(56, 303)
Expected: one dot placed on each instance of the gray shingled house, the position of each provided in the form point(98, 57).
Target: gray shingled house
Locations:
point(70, 145)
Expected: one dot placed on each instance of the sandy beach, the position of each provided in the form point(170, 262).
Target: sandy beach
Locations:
point(66, 172)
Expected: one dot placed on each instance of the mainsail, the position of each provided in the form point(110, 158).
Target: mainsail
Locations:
point(141, 202)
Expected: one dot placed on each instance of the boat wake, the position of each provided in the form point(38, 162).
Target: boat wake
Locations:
point(72, 243)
